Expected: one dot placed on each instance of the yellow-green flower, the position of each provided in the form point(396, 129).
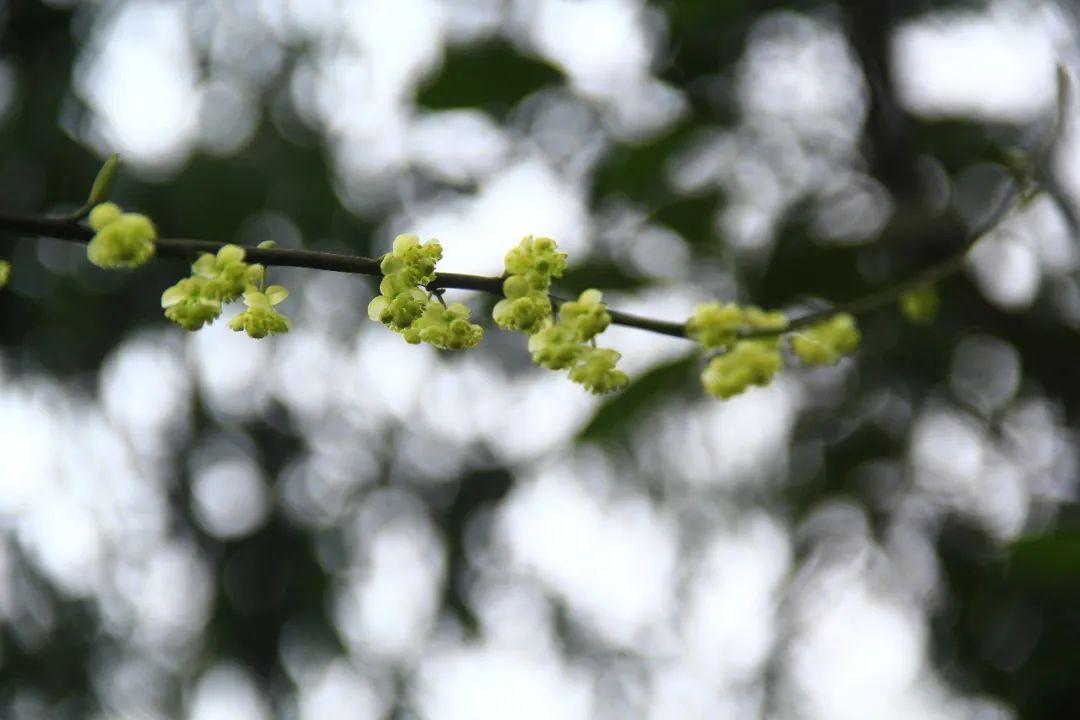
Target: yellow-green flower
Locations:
point(526, 313)
point(749, 362)
point(261, 319)
point(537, 260)
point(556, 347)
point(597, 371)
point(716, 326)
point(402, 306)
point(191, 303)
point(122, 239)
point(227, 273)
point(826, 342)
point(587, 316)
point(446, 328)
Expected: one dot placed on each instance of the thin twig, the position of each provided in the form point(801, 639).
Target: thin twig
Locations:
point(1012, 200)
point(69, 230)
point(66, 229)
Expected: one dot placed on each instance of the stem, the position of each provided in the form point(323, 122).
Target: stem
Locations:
point(1013, 199)
point(71, 231)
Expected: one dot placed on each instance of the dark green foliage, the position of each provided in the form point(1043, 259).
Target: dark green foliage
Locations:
point(644, 395)
point(492, 76)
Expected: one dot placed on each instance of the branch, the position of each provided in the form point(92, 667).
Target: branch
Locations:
point(72, 231)
point(1012, 200)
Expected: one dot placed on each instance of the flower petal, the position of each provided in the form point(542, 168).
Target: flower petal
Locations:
point(206, 266)
point(230, 254)
point(172, 296)
point(276, 294)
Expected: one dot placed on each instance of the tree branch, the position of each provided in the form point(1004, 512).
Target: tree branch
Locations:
point(71, 231)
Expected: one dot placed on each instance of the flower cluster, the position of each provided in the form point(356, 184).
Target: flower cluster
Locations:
point(569, 344)
point(530, 266)
point(191, 303)
point(122, 239)
point(748, 362)
point(220, 278)
point(406, 309)
point(596, 371)
point(750, 339)
point(227, 274)
point(827, 341)
point(447, 328)
point(717, 326)
point(261, 319)
point(5, 272)
point(565, 343)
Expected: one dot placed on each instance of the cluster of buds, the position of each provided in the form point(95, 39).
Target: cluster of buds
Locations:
point(405, 308)
point(221, 278)
point(121, 239)
point(567, 344)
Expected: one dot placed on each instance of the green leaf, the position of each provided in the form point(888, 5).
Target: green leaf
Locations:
point(637, 170)
point(1056, 555)
point(492, 76)
point(644, 394)
point(103, 183)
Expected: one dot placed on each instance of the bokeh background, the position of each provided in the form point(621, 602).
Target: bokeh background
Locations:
point(333, 524)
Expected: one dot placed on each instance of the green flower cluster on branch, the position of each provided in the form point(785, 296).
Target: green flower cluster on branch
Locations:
point(567, 342)
point(261, 319)
point(221, 278)
point(447, 328)
point(122, 239)
point(717, 326)
point(748, 362)
point(826, 342)
point(408, 310)
point(530, 267)
point(755, 360)
point(191, 303)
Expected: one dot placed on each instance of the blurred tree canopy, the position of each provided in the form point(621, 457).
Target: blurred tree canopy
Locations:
point(881, 190)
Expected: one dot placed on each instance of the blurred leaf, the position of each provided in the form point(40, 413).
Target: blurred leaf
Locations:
point(802, 267)
point(492, 76)
point(644, 394)
point(1047, 557)
point(692, 218)
point(637, 170)
point(103, 183)
point(957, 143)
